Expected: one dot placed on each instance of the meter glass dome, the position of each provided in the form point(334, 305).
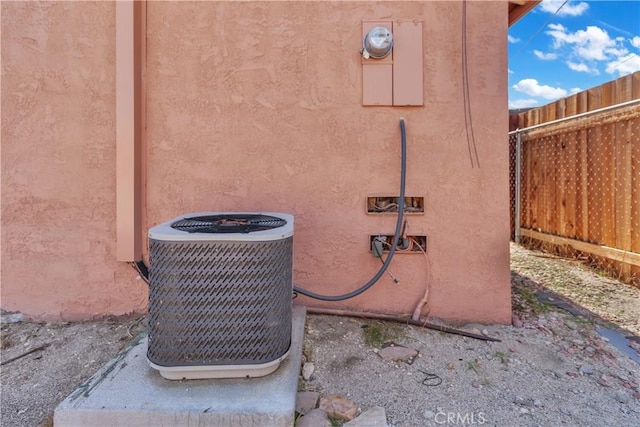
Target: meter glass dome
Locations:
point(378, 42)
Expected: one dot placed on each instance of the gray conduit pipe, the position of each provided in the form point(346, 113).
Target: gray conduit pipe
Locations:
point(396, 238)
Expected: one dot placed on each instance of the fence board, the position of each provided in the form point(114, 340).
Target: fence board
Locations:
point(582, 102)
point(623, 190)
point(561, 184)
point(635, 85)
point(608, 202)
point(623, 89)
point(550, 112)
point(594, 190)
point(580, 183)
point(570, 106)
point(561, 107)
point(582, 106)
point(584, 185)
point(537, 189)
point(594, 98)
point(608, 96)
point(571, 163)
point(527, 204)
point(635, 187)
point(551, 185)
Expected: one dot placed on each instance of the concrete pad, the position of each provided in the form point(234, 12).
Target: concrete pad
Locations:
point(127, 391)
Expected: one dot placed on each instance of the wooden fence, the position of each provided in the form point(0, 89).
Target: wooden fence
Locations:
point(579, 177)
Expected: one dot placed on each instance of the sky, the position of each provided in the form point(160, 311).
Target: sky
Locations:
point(555, 53)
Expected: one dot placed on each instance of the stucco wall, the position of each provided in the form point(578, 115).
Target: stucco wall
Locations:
point(58, 163)
point(257, 107)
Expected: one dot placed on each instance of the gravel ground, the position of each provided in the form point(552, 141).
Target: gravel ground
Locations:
point(531, 378)
point(551, 368)
point(604, 297)
point(69, 353)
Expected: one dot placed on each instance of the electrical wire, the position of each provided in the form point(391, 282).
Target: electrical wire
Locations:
point(407, 249)
point(425, 298)
point(396, 238)
point(393, 207)
point(468, 120)
point(389, 207)
point(390, 273)
point(541, 27)
point(142, 270)
point(431, 380)
point(633, 55)
point(414, 241)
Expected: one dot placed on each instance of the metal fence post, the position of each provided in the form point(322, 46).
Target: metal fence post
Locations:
point(518, 171)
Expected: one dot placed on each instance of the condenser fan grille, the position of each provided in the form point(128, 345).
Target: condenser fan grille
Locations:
point(217, 303)
point(228, 223)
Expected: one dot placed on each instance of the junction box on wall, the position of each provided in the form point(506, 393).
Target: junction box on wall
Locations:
point(410, 244)
point(389, 205)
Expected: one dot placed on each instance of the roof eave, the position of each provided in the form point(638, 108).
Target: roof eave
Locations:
point(519, 8)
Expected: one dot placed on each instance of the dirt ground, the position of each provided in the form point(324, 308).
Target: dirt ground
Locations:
point(604, 297)
point(550, 368)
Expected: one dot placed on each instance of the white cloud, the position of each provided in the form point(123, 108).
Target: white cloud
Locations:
point(617, 52)
point(532, 88)
point(523, 103)
point(510, 70)
point(545, 56)
point(572, 8)
point(593, 43)
point(558, 27)
point(581, 67)
point(512, 39)
point(624, 65)
point(591, 49)
point(575, 90)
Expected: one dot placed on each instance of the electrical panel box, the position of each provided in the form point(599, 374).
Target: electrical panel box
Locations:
point(397, 79)
point(377, 74)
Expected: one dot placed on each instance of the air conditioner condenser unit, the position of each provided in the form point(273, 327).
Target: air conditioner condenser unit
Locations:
point(220, 294)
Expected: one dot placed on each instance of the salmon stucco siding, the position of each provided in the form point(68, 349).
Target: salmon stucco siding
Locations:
point(58, 164)
point(256, 106)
